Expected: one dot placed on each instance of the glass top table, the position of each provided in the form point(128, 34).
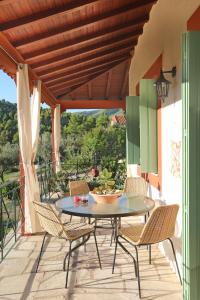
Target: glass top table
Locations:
point(126, 205)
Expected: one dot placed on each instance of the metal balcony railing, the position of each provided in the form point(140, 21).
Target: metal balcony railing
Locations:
point(12, 193)
point(11, 215)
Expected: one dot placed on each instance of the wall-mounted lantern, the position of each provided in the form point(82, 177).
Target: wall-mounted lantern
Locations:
point(162, 84)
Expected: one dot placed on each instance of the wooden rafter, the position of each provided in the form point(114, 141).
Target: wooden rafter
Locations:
point(85, 67)
point(82, 39)
point(69, 89)
point(77, 75)
point(125, 79)
point(106, 104)
point(43, 15)
point(108, 84)
point(105, 54)
point(89, 90)
point(57, 61)
point(12, 52)
point(75, 82)
point(92, 78)
point(6, 2)
point(88, 22)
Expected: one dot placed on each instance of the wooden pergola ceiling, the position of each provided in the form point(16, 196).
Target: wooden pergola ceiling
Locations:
point(81, 49)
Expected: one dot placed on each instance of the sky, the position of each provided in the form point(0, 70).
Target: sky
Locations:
point(8, 90)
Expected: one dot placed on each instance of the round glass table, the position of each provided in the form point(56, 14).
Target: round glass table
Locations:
point(126, 205)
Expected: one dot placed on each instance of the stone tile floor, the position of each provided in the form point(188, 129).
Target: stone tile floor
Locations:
point(86, 281)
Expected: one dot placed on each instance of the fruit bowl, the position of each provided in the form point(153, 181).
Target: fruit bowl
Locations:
point(106, 198)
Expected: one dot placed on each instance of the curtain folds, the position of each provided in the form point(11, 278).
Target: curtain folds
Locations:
point(57, 137)
point(28, 126)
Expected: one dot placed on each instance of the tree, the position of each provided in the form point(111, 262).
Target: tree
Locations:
point(44, 153)
point(9, 158)
point(102, 121)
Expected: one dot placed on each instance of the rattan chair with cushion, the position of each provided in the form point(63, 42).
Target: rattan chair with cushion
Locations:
point(159, 227)
point(51, 223)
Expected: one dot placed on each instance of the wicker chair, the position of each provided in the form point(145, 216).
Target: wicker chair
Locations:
point(159, 227)
point(52, 225)
point(79, 187)
point(135, 185)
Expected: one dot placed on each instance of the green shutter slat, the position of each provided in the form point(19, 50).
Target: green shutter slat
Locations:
point(148, 126)
point(191, 165)
point(132, 132)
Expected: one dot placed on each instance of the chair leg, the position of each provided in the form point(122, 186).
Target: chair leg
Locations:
point(138, 271)
point(122, 246)
point(150, 254)
point(70, 218)
point(69, 255)
point(41, 252)
point(116, 242)
point(175, 260)
point(85, 249)
point(95, 239)
point(112, 236)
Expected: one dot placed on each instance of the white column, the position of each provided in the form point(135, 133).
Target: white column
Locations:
point(57, 134)
point(28, 126)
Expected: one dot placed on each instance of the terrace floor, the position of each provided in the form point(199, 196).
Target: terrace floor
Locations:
point(86, 281)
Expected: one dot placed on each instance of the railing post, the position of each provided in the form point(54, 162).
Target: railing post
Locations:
point(15, 214)
point(53, 139)
point(22, 188)
point(1, 224)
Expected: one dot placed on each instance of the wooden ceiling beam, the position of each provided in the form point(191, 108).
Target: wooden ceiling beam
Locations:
point(6, 2)
point(40, 54)
point(44, 67)
point(77, 77)
point(90, 90)
point(91, 79)
point(91, 104)
point(44, 15)
point(12, 52)
point(125, 79)
point(108, 84)
point(77, 26)
point(68, 89)
point(87, 67)
point(124, 48)
point(81, 74)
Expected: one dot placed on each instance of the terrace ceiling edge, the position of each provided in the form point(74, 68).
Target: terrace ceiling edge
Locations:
point(191, 164)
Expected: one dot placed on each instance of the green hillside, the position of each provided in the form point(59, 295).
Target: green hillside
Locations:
point(95, 113)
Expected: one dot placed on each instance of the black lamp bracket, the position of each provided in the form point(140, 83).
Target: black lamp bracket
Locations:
point(172, 71)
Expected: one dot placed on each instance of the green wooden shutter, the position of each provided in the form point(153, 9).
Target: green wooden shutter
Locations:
point(132, 132)
point(191, 165)
point(148, 127)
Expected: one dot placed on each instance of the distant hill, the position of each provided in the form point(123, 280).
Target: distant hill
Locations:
point(96, 113)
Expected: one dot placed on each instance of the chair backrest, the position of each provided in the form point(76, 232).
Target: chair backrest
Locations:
point(79, 187)
point(160, 225)
point(135, 185)
point(49, 219)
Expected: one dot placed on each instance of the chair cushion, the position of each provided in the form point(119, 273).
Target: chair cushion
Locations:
point(77, 230)
point(132, 233)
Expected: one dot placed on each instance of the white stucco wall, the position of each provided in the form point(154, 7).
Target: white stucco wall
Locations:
point(163, 35)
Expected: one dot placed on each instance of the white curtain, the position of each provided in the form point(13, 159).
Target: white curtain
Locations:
point(57, 137)
point(28, 126)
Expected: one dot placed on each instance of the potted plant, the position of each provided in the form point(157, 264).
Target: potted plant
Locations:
point(105, 192)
